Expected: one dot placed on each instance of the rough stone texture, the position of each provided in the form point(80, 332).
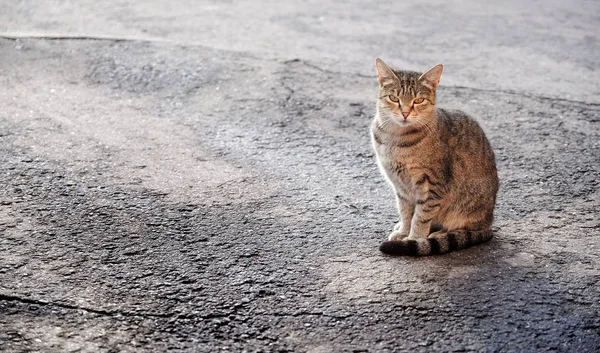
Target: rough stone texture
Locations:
point(174, 196)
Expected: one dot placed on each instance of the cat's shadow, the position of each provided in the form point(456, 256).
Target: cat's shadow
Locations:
point(379, 274)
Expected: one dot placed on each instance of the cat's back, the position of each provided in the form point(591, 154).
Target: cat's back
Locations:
point(472, 157)
point(461, 131)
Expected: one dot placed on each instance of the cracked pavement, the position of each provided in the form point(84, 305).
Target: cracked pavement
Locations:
point(191, 178)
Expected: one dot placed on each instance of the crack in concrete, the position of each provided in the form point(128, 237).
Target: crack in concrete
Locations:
point(504, 91)
point(528, 95)
point(112, 313)
point(13, 298)
point(316, 67)
point(20, 36)
point(82, 37)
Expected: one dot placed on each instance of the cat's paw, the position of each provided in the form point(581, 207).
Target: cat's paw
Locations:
point(397, 236)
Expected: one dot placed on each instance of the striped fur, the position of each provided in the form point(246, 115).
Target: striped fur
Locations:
point(436, 244)
point(439, 162)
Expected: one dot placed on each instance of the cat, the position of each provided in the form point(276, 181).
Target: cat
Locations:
point(439, 162)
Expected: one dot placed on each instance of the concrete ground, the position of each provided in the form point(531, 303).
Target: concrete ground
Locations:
point(196, 177)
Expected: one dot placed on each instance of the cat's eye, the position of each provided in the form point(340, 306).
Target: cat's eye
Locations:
point(393, 99)
point(419, 100)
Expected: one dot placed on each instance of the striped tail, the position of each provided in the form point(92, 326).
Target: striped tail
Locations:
point(436, 243)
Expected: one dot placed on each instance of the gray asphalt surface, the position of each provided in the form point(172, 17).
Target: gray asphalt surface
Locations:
point(199, 177)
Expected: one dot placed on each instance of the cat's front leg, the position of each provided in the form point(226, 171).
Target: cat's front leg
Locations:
point(425, 212)
point(402, 228)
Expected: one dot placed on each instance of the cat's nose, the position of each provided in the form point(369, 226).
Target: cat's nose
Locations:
point(405, 115)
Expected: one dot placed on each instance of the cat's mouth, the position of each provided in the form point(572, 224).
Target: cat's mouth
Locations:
point(402, 121)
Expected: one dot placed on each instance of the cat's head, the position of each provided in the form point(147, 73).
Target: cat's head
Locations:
point(407, 96)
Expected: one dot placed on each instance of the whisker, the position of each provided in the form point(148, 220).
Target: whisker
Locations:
point(425, 125)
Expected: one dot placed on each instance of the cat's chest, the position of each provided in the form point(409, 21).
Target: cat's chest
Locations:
point(401, 157)
point(399, 165)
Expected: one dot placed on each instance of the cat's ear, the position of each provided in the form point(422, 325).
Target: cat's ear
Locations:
point(432, 76)
point(384, 73)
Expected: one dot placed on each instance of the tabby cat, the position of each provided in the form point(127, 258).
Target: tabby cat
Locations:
point(439, 162)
